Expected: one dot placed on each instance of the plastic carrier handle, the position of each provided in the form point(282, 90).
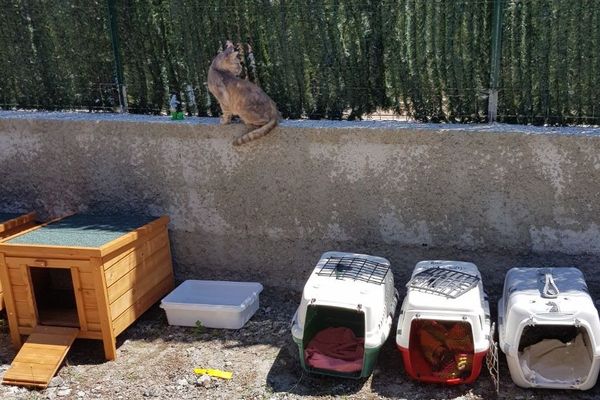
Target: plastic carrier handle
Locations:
point(550, 290)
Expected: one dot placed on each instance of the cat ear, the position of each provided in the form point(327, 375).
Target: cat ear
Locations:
point(228, 44)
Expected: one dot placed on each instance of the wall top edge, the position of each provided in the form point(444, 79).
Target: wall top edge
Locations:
point(495, 128)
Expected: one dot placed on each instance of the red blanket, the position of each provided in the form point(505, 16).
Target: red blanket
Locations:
point(447, 347)
point(335, 349)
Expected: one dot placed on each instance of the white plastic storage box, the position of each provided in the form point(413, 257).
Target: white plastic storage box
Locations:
point(549, 328)
point(345, 314)
point(214, 304)
point(444, 325)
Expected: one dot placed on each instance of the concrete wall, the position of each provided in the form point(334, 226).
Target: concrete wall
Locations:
point(267, 210)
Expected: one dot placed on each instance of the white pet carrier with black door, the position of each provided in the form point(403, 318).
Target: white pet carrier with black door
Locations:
point(345, 314)
point(444, 327)
point(548, 328)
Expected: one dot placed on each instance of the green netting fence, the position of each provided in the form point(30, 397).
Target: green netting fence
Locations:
point(428, 60)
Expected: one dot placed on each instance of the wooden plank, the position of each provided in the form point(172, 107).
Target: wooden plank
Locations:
point(17, 224)
point(51, 350)
point(86, 280)
point(23, 232)
point(139, 234)
point(15, 277)
point(142, 285)
point(40, 357)
point(141, 250)
point(79, 301)
point(26, 273)
point(27, 374)
point(95, 327)
point(121, 269)
point(93, 332)
point(28, 377)
point(24, 309)
point(24, 366)
point(59, 317)
point(92, 315)
point(135, 257)
point(159, 261)
point(26, 322)
point(47, 251)
point(49, 262)
point(11, 262)
point(9, 233)
point(89, 298)
point(52, 338)
point(108, 339)
point(20, 292)
point(139, 307)
point(13, 323)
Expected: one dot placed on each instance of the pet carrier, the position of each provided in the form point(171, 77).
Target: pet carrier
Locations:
point(444, 326)
point(345, 314)
point(548, 328)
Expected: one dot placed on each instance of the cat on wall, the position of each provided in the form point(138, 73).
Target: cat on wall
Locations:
point(241, 97)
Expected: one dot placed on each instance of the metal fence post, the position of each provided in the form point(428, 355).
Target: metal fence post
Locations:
point(114, 36)
point(495, 60)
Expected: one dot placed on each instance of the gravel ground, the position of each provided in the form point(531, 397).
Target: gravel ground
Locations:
point(156, 361)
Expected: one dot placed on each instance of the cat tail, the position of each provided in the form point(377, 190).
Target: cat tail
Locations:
point(257, 133)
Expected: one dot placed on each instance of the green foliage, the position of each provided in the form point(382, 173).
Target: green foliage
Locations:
point(54, 54)
point(429, 59)
point(199, 329)
point(550, 62)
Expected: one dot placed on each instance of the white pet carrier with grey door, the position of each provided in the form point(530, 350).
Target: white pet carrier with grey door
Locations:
point(548, 328)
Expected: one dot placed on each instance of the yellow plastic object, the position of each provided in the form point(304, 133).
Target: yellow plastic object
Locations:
point(214, 372)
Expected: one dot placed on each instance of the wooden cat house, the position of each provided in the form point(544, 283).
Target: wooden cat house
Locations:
point(11, 224)
point(81, 276)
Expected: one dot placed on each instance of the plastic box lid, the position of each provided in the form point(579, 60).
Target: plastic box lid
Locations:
point(194, 294)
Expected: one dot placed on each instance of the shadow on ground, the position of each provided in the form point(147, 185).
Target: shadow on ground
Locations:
point(287, 376)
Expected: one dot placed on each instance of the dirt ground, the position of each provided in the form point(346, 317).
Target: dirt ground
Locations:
point(156, 361)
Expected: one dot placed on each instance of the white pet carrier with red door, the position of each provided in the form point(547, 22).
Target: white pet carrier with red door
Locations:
point(345, 314)
point(444, 326)
point(549, 328)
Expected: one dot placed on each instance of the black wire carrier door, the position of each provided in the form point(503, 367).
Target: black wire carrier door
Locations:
point(356, 268)
point(443, 282)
